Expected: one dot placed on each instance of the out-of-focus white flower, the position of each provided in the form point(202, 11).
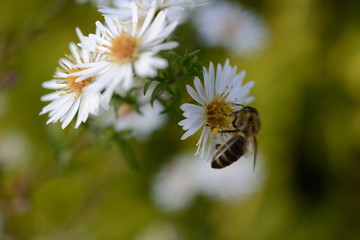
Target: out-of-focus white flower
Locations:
point(95, 2)
point(179, 181)
point(223, 91)
point(175, 185)
point(176, 9)
point(128, 49)
point(232, 183)
point(141, 124)
point(231, 26)
point(14, 149)
point(159, 231)
point(71, 96)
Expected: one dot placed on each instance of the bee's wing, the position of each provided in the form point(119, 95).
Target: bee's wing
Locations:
point(255, 151)
point(252, 148)
point(253, 142)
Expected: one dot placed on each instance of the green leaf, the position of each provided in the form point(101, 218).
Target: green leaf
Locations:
point(116, 100)
point(178, 95)
point(168, 89)
point(194, 52)
point(127, 152)
point(146, 86)
point(155, 93)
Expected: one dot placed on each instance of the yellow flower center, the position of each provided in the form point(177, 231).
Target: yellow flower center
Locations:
point(124, 48)
point(72, 85)
point(123, 110)
point(218, 114)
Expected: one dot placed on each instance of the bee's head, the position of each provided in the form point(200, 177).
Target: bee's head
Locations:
point(250, 114)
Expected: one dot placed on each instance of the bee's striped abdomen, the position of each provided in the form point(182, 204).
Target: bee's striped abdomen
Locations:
point(229, 152)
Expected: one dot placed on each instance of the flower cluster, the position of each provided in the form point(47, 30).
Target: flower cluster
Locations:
point(108, 62)
point(123, 55)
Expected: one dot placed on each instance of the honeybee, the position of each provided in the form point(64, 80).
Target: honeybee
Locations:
point(246, 126)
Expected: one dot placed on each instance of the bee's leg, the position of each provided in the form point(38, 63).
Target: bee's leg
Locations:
point(239, 104)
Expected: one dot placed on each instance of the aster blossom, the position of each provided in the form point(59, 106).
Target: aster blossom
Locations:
point(142, 121)
point(235, 28)
point(128, 48)
point(71, 97)
point(172, 191)
point(142, 124)
point(94, 2)
point(222, 94)
point(176, 8)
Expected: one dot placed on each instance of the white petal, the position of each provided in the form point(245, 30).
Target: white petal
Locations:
point(60, 101)
point(95, 69)
point(50, 97)
point(75, 52)
point(143, 66)
point(192, 130)
point(240, 92)
point(79, 33)
point(63, 109)
point(203, 141)
point(134, 18)
point(247, 100)
point(53, 84)
point(194, 94)
point(200, 143)
point(191, 107)
point(188, 123)
point(164, 46)
point(200, 90)
point(209, 82)
point(70, 115)
point(147, 20)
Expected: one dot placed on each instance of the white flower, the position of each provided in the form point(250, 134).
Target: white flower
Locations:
point(95, 2)
point(176, 8)
point(142, 124)
point(128, 49)
point(221, 95)
point(127, 118)
point(174, 187)
point(231, 183)
point(235, 28)
point(179, 181)
point(71, 97)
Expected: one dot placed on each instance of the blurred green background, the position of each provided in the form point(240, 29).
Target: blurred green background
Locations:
point(61, 184)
